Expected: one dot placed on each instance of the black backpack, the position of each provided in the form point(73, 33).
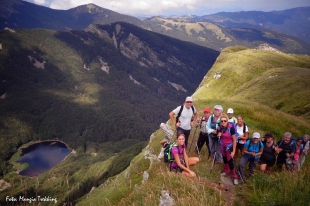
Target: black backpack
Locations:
point(167, 151)
point(181, 109)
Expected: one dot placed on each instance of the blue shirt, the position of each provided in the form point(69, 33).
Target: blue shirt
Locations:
point(253, 148)
point(209, 127)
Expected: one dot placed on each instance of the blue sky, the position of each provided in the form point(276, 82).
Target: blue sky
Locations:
point(177, 7)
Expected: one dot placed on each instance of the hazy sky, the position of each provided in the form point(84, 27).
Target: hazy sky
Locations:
point(177, 7)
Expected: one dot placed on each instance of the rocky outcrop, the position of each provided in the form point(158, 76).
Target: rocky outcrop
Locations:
point(37, 63)
point(165, 199)
point(178, 87)
point(267, 47)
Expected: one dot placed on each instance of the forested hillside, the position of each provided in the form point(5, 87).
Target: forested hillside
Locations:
point(95, 91)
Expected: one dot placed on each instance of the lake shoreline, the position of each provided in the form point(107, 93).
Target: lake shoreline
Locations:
point(27, 145)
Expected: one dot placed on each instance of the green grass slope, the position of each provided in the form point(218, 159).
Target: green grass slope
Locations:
point(278, 80)
point(242, 71)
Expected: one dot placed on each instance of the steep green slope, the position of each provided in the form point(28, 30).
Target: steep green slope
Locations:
point(247, 74)
point(260, 115)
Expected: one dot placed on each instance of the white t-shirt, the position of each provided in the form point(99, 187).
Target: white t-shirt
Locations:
point(185, 116)
point(240, 132)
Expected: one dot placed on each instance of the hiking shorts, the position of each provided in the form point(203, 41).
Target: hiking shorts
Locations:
point(177, 169)
point(268, 162)
point(240, 146)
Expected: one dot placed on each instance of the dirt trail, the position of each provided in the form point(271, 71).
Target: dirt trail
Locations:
point(226, 188)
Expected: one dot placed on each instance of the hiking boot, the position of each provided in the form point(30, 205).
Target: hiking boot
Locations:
point(235, 181)
point(223, 174)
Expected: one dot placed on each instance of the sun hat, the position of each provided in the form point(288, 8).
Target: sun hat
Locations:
point(189, 99)
point(230, 110)
point(206, 110)
point(256, 135)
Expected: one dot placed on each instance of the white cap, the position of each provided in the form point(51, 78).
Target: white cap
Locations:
point(189, 99)
point(256, 135)
point(230, 110)
point(219, 107)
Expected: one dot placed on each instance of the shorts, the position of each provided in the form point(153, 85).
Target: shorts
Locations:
point(177, 169)
point(240, 146)
point(268, 162)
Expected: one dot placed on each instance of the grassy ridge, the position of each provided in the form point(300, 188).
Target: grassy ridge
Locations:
point(274, 79)
point(279, 188)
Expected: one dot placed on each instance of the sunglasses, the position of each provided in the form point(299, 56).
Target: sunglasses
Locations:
point(223, 120)
point(189, 102)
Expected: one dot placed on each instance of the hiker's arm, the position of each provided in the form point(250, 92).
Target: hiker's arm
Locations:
point(260, 152)
point(185, 158)
point(194, 119)
point(171, 115)
point(245, 150)
point(232, 154)
point(276, 149)
point(289, 154)
point(245, 136)
point(178, 161)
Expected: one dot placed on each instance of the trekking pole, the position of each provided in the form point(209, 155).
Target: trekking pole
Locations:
point(198, 151)
point(192, 140)
point(213, 156)
point(238, 171)
point(213, 162)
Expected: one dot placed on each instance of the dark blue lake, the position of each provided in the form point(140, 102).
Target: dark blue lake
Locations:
point(42, 157)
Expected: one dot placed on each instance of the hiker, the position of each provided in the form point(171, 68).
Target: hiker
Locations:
point(287, 149)
point(253, 148)
point(228, 145)
point(186, 116)
point(181, 162)
point(268, 158)
point(212, 125)
point(230, 113)
point(305, 150)
point(243, 134)
point(203, 135)
point(296, 157)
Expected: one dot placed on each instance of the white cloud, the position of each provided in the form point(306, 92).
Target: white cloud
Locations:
point(179, 7)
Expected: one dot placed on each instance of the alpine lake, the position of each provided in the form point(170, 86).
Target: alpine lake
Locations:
point(41, 157)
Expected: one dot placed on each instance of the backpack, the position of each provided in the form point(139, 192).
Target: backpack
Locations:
point(292, 141)
point(259, 144)
point(230, 125)
point(181, 109)
point(167, 151)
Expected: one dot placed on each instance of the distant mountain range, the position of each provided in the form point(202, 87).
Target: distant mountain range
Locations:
point(22, 14)
point(294, 22)
point(218, 37)
point(283, 30)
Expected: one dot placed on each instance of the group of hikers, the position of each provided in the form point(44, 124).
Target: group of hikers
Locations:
point(225, 137)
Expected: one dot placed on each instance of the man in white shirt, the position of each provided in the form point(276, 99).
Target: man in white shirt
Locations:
point(186, 116)
point(230, 114)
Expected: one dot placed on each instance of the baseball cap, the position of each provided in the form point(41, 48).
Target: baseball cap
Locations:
point(189, 99)
point(256, 135)
point(206, 110)
point(230, 110)
point(219, 107)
